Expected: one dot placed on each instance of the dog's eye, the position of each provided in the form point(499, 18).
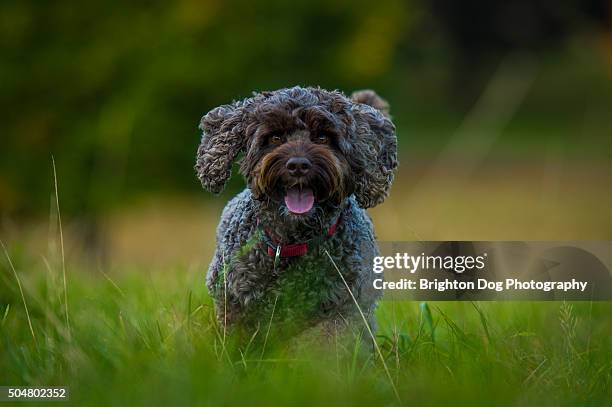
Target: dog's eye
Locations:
point(321, 138)
point(275, 139)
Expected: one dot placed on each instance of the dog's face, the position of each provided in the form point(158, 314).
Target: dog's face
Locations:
point(303, 148)
point(299, 164)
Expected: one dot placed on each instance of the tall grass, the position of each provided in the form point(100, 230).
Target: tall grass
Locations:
point(151, 338)
point(61, 237)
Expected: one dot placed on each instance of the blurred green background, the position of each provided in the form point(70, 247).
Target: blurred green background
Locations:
point(504, 112)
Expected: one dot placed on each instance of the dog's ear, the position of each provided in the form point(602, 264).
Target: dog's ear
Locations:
point(374, 157)
point(369, 97)
point(222, 140)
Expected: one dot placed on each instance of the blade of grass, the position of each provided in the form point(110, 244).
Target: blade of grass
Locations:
point(189, 311)
point(533, 372)
point(414, 343)
point(247, 348)
point(336, 348)
point(61, 233)
point(276, 360)
point(219, 334)
point(159, 331)
point(224, 299)
point(222, 336)
point(25, 305)
point(43, 304)
point(263, 348)
point(353, 369)
point(136, 326)
point(589, 328)
point(122, 324)
point(426, 313)
point(372, 337)
point(53, 280)
point(119, 290)
point(483, 321)
point(243, 360)
point(454, 328)
point(198, 308)
point(6, 311)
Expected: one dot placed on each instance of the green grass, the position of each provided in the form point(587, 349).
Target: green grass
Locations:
point(150, 338)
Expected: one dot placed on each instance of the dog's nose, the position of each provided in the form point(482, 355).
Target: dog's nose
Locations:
point(298, 166)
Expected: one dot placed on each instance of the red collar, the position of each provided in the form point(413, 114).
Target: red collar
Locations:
point(295, 249)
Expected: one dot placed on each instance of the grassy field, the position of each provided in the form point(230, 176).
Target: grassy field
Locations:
point(140, 329)
point(149, 338)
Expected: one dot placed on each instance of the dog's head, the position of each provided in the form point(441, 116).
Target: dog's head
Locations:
point(302, 147)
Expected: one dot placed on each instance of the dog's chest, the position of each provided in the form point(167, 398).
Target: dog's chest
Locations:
point(301, 288)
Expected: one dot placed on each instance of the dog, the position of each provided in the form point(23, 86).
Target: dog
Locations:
point(298, 236)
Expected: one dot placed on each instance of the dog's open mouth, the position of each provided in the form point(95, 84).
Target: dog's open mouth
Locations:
point(299, 199)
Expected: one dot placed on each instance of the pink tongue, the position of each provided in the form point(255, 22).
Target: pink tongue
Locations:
point(299, 200)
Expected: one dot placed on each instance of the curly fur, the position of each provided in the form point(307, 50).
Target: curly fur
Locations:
point(351, 173)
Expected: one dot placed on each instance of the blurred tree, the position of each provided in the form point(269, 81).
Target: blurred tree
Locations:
point(115, 90)
point(483, 32)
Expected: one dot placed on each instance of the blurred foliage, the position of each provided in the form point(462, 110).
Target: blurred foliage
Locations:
point(115, 90)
